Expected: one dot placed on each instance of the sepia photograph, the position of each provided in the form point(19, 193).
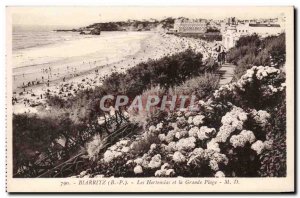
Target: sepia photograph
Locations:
point(150, 99)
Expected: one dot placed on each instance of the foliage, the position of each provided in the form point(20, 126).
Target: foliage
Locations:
point(201, 86)
point(208, 36)
point(212, 29)
point(33, 135)
point(167, 72)
point(230, 135)
point(274, 161)
point(133, 24)
point(252, 50)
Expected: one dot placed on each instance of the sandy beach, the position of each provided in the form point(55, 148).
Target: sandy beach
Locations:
point(64, 70)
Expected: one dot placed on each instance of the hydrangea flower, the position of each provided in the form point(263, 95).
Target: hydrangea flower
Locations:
point(186, 144)
point(165, 171)
point(248, 135)
point(181, 121)
point(179, 157)
point(125, 149)
point(159, 173)
point(170, 136)
point(182, 133)
point(213, 164)
point(190, 120)
point(124, 142)
point(138, 161)
point(261, 117)
point(152, 128)
point(171, 147)
point(159, 126)
point(204, 131)
point(241, 139)
point(213, 145)
point(258, 146)
point(165, 166)
point(108, 156)
point(138, 169)
point(170, 172)
point(224, 132)
point(193, 132)
point(198, 119)
point(198, 153)
point(162, 137)
point(153, 146)
point(155, 161)
point(219, 174)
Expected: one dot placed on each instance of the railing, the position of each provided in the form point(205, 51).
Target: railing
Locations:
point(78, 163)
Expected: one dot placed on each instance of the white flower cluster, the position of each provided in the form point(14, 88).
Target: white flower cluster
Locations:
point(258, 72)
point(241, 139)
point(116, 150)
point(270, 90)
point(138, 169)
point(191, 142)
point(259, 146)
point(215, 159)
point(232, 121)
point(186, 144)
point(93, 147)
point(205, 132)
point(198, 119)
point(219, 174)
point(165, 171)
point(263, 72)
point(198, 153)
point(179, 157)
point(155, 161)
point(193, 132)
point(155, 129)
point(181, 134)
point(213, 145)
point(146, 161)
point(261, 117)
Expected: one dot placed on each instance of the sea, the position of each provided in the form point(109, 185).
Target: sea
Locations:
point(24, 37)
point(36, 49)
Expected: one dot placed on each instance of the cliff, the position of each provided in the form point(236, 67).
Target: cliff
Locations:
point(129, 25)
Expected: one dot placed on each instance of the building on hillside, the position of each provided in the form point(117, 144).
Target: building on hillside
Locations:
point(233, 30)
point(190, 26)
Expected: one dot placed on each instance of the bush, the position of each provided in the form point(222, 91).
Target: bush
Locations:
point(202, 86)
point(166, 72)
point(251, 50)
point(33, 135)
point(231, 135)
point(273, 162)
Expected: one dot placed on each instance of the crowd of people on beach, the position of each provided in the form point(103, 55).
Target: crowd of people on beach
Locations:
point(68, 81)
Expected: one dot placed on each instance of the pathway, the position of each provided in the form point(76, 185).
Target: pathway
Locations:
point(226, 73)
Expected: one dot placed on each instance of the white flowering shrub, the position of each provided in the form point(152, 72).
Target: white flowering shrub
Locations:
point(93, 147)
point(231, 135)
point(257, 89)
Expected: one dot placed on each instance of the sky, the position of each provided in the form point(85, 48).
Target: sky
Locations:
point(83, 16)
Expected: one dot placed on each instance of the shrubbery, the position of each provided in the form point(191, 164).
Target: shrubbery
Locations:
point(200, 86)
point(208, 36)
point(252, 50)
point(231, 135)
point(33, 135)
point(77, 117)
point(166, 72)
